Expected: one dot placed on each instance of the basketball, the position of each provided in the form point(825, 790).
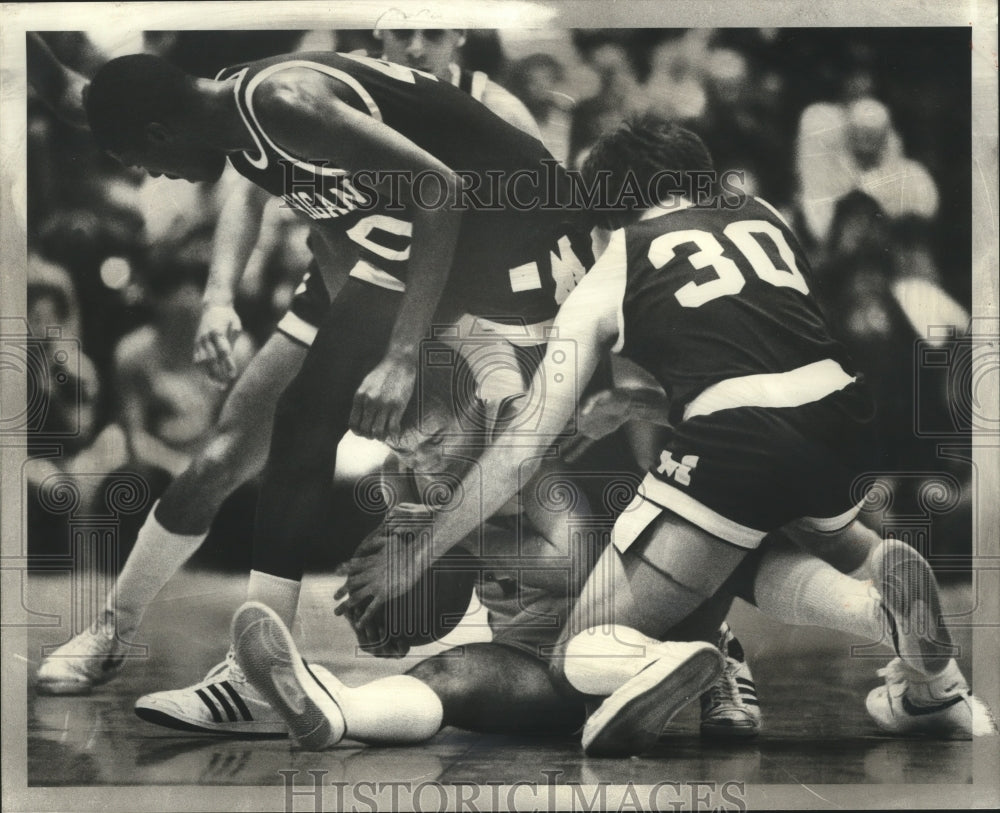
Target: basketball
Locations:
point(436, 603)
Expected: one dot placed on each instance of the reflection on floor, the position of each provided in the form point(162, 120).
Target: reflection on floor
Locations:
point(812, 693)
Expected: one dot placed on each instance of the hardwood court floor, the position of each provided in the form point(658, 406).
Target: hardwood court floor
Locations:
point(812, 694)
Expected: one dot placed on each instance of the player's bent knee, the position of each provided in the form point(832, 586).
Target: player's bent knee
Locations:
point(449, 678)
point(229, 457)
point(845, 548)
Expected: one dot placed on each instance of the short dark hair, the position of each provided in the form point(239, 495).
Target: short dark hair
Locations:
point(644, 146)
point(130, 92)
point(446, 383)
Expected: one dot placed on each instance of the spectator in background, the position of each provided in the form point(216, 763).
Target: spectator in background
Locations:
point(619, 72)
point(841, 149)
point(677, 79)
point(534, 80)
point(167, 402)
point(436, 51)
point(69, 389)
point(739, 126)
point(878, 286)
point(52, 300)
point(918, 285)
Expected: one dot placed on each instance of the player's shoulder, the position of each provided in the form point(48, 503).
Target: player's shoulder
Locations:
point(508, 107)
point(294, 88)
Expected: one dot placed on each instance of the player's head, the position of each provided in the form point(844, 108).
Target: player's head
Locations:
point(445, 411)
point(145, 111)
point(644, 160)
point(868, 130)
point(431, 50)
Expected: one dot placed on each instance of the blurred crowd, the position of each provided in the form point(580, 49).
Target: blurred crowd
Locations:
point(862, 142)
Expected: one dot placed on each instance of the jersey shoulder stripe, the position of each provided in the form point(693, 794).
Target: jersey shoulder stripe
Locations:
point(245, 87)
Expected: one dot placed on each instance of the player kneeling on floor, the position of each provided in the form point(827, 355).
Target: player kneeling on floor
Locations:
point(771, 430)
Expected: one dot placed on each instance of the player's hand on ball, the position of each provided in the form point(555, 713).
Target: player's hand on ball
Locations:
point(219, 328)
point(382, 398)
point(374, 639)
point(384, 574)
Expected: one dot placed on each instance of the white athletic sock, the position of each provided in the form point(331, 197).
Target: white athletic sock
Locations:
point(599, 660)
point(158, 554)
point(280, 594)
point(800, 589)
point(392, 710)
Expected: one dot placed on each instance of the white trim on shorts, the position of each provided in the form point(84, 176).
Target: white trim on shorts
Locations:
point(803, 385)
point(660, 495)
point(297, 328)
point(654, 496)
point(829, 525)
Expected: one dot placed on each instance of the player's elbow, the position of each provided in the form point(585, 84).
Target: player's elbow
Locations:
point(436, 199)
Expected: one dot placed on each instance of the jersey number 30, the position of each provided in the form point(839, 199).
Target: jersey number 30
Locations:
point(729, 280)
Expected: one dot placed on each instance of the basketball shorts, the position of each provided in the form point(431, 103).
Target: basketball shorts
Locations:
point(520, 614)
point(310, 303)
point(740, 473)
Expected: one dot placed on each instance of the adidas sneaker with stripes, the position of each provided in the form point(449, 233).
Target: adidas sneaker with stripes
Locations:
point(223, 703)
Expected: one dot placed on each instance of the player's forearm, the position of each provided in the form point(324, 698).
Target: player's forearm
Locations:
point(435, 233)
point(236, 236)
point(501, 471)
point(47, 74)
point(647, 405)
point(58, 86)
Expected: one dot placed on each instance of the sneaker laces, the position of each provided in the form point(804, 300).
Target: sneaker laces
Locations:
point(725, 689)
point(235, 671)
point(227, 669)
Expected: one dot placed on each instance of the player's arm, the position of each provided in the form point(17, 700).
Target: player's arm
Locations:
point(511, 109)
point(58, 86)
point(587, 324)
point(236, 235)
point(299, 108)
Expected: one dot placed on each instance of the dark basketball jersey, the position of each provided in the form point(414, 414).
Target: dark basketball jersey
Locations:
point(712, 294)
point(508, 260)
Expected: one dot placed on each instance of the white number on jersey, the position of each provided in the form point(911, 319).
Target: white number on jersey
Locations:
point(728, 280)
point(360, 233)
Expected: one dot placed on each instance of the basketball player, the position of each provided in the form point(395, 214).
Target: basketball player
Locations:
point(530, 569)
point(436, 51)
point(770, 433)
point(179, 522)
point(524, 580)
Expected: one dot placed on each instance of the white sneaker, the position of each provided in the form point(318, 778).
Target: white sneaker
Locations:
point(223, 703)
point(266, 652)
point(730, 708)
point(630, 720)
point(940, 706)
point(910, 595)
point(89, 659)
